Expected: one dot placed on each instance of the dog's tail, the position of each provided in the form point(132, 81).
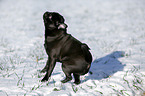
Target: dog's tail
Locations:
point(86, 52)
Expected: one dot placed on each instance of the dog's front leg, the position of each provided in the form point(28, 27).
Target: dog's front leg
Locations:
point(47, 63)
point(50, 68)
point(46, 67)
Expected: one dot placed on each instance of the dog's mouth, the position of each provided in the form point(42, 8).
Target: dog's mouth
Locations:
point(49, 23)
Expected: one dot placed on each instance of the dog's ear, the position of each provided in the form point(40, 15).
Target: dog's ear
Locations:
point(62, 26)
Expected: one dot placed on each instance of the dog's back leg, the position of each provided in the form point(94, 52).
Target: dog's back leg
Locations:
point(77, 78)
point(68, 75)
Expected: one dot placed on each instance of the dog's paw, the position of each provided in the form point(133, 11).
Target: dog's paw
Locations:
point(77, 82)
point(44, 79)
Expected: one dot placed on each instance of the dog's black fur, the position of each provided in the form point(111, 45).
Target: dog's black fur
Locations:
point(62, 47)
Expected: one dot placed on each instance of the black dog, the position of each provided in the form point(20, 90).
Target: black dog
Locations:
point(62, 47)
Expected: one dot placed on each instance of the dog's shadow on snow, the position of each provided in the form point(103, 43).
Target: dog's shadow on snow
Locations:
point(106, 66)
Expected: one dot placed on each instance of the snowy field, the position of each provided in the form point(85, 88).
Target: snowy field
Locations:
point(113, 29)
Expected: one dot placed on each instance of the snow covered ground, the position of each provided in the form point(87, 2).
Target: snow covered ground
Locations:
point(113, 29)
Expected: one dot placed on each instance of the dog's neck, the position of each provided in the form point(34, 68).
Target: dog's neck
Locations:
point(54, 33)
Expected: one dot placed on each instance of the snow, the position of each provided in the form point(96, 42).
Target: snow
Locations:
point(113, 29)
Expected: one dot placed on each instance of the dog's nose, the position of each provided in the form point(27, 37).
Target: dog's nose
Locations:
point(50, 16)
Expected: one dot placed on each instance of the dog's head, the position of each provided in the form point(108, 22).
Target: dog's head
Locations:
point(53, 20)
